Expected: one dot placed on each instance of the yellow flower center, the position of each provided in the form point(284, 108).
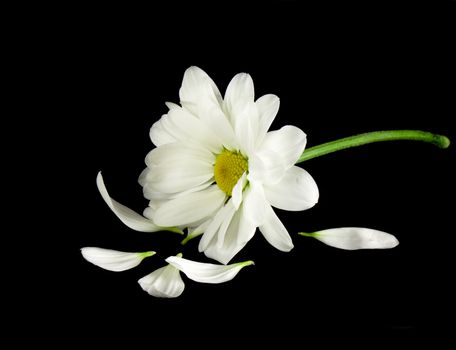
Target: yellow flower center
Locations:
point(229, 167)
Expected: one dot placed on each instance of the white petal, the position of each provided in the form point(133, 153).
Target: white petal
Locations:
point(159, 134)
point(296, 191)
point(152, 194)
point(197, 90)
point(177, 152)
point(179, 125)
point(226, 222)
point(246, 129)
point(179, 176)
point(236, 193)
point(165, 282)
point(216, 120)
point(244, 229)
point(289, 142)
point(352, 238)
point(268, 106)
point(149, 211)
point(194, 130)
point(113, 260)
point(142, 177)
point(126, 215)
point(224, 214)
point(266, 167)
point(255, 204)
point(275, 232)
point(188, 209)
point(239, 94)
point(200, 96)
point(207, 273)
point(239, 232)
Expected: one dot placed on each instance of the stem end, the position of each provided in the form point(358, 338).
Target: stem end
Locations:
point(442, 141)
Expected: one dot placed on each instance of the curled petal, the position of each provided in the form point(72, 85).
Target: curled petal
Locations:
point(207, 273)
point(130, 218)
point(113, 260)
point(164, 282)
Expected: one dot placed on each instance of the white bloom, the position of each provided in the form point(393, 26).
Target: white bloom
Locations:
point(352, 238)
point(166, 282)
point(217, 169)
point(113, 260)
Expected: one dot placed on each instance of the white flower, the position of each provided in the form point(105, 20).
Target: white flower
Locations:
point(352, 238)
point(218, 170)
point(166, 282)
point(113, 260)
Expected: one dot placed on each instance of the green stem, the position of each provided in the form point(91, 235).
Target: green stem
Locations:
point(370, 137)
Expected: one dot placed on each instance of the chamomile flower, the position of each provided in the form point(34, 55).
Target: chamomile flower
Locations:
point(217, 170)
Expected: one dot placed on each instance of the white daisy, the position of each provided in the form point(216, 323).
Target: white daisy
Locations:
point(216, 169)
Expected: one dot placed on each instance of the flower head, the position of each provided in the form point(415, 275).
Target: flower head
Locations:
point(216, 166)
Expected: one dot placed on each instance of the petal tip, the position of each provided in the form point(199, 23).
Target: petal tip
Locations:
point(394, 242)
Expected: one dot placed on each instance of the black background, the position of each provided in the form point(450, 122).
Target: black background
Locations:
point(339, 69)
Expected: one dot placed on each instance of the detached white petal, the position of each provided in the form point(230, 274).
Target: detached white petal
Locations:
point(113, 260)
point(207, 273)
point(165, 282)
point(352, 238)
point(130, 218)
